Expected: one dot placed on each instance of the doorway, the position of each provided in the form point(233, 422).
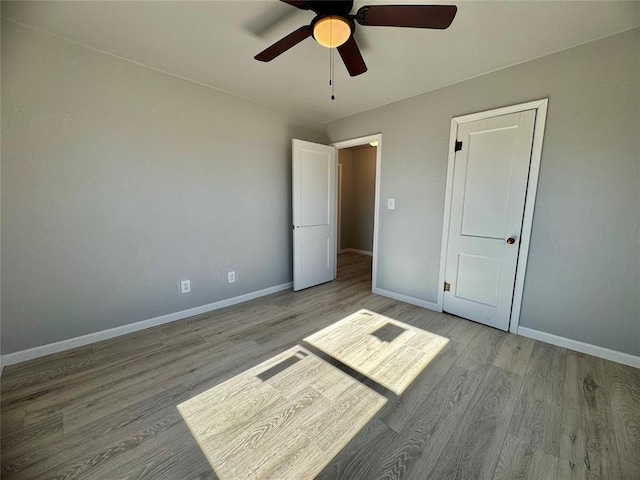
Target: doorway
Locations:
point(357, 202)
point(315, 176)
point(494, 160)
point(356, 199)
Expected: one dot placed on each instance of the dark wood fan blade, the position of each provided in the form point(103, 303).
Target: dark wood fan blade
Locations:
point(284, 44)
point(415, 16)
point(352, 57)
point(262, 25)
point(301, 4)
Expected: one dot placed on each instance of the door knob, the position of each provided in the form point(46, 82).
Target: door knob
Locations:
point(511, 241)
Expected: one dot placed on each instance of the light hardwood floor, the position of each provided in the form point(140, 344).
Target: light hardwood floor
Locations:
point(306, 410)
point(394, 363)
point(489, 405)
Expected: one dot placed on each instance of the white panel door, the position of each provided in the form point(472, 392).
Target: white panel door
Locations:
point(314, 214)
point(489, 186)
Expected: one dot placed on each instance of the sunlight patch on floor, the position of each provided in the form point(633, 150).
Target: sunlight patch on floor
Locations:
point(387, 351)
point(285, 418)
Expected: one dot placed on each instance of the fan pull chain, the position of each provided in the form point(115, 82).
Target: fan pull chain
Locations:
point(332, 71)
point(331, 64)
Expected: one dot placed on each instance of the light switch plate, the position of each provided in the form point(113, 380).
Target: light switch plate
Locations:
point(391, 203)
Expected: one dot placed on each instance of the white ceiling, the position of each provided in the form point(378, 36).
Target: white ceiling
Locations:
point(214, 42)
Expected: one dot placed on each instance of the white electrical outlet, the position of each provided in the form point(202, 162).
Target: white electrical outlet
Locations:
point(391, 203)
point(231, 277)
point(185, 286)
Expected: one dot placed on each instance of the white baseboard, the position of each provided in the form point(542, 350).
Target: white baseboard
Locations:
point(41, 351)
point(595, 350)
point(355, 250)
point(405, 298)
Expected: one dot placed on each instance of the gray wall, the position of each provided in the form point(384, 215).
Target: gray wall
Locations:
point(358, 197)
point(346, 221)
point(583, 275)
point(118, 181)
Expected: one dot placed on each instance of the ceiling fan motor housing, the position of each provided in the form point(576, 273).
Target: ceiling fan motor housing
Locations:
point(318, 20)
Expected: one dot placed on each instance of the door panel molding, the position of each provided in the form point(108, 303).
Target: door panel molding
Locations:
point(540, 106)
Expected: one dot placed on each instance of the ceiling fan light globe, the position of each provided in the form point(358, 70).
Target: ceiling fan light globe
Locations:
point(331, 31)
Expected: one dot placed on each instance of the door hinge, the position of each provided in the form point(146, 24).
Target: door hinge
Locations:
point(447, 287)
point(458, 145)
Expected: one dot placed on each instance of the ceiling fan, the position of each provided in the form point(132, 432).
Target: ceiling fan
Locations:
point(333, 26)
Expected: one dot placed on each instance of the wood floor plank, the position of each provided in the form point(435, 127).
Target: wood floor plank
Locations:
point(136, 423)
point(13, 418)
point(588, 444)
point(358, 459)
point(129, 391)
point(623, 383)
point(88, 457)
point(546, 375)
point(539, 423)
point(514, 354)
point(520, 460)
point(537, 418)
point(31, 385)
point(482, 350)
point(168, 456)
point(630, 471)
point(118, 461)
point(401, 410)
point(419, 445)
point(474, 448)
point(84, 388)
point(19, 442)
point(222, 364)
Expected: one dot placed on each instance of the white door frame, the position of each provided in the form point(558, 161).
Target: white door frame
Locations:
point(534, 169)
point(339, 216)
point(376, 211)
